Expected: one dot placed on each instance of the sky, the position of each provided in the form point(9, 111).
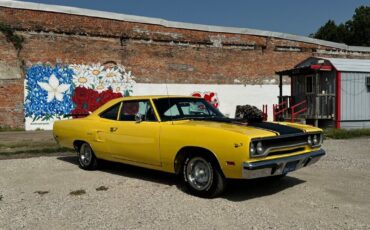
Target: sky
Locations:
point(287, 16)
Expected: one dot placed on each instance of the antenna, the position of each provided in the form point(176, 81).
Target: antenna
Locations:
point(167, 89)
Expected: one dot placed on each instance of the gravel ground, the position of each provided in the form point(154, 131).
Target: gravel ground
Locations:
point(53, 193)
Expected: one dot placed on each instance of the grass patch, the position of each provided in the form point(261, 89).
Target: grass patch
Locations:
point(37, 151)
point(28, 145)
point(77, 192)
point(346, 133)
point(9, 129)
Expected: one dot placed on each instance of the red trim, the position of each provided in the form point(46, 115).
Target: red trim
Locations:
point(338, 100)
point(322, 67)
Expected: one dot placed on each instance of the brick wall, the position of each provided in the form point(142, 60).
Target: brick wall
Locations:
point(11, 86)
point(11, 103)
point(154, 53)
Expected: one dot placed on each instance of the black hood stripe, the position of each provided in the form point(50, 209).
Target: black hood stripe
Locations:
point(281, 129)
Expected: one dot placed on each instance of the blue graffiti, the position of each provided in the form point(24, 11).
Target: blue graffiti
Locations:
point(36, 105)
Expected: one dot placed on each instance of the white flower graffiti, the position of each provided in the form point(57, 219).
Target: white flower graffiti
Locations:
point(79, 69)
point(84, 80)
point(96, 70)
point(54, 89)
point(112, 75)
point(100, 87)
point(103, 77)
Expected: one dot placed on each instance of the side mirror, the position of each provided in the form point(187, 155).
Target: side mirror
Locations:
point(139, 118)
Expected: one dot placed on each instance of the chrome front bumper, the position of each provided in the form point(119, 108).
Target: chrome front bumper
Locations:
point(276, 167)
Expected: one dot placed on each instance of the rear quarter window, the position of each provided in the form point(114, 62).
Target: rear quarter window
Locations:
point(111, 113)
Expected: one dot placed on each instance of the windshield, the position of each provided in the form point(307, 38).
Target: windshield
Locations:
point(185, 108)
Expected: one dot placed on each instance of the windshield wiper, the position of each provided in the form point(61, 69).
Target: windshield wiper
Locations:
point(203, 118)
point(212, 118)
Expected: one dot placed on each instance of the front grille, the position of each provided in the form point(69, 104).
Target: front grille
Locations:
point(281, 152)
point(287, 140)
point(283, 144)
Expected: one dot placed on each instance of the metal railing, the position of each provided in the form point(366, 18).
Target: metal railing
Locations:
point(315, 106)
point(301, 107)
point(264, 112)
point(279, 110)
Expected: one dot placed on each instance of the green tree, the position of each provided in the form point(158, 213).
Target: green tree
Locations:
point(329, 32)
point(359, 27)
point(355, 31)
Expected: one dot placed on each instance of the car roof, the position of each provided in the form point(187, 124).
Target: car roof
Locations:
point(129, 98)
point(155, 97)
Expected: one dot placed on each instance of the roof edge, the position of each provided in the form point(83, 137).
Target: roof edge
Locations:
point(174, 24)
point(340, 64)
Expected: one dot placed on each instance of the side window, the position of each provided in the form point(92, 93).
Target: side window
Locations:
point(111, 113)
point(194, 108)
point(172, 111)
point(131, 108)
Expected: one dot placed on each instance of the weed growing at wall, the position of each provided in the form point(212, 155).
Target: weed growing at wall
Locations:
point(11, 36)
point(346, 134)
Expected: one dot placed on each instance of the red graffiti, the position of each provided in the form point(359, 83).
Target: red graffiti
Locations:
point(88, 100)
point(210, 97)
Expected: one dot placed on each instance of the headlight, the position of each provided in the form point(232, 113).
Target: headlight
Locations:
point(315, 140)
point(256, 149)
point(259, 148)
point(309, 140)
point(252, 149)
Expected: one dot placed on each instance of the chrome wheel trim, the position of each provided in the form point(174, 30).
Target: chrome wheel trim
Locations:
point(199, 173)
point(85, 155)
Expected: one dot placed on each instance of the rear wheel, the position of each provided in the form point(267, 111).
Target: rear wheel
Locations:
point(86, 157)
point(202, 177)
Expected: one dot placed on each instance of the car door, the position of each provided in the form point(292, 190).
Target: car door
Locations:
point(101, 133)
point(133, 140)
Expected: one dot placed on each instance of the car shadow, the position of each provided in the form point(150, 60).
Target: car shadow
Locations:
point(129, 171)
point(237, 190)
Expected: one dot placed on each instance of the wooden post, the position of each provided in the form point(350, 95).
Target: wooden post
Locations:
point(280, 88)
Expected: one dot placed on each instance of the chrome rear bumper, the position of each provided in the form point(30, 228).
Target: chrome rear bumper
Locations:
point(276, 167)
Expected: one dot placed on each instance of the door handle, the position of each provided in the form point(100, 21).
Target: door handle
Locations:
point(97, 136)
point(113, 129)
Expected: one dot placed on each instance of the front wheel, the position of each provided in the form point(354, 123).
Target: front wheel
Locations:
point(86, 157)
point(202, 177)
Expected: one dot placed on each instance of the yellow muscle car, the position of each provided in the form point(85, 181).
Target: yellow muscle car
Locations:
point(189, 137)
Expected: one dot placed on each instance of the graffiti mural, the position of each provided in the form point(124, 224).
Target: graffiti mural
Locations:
point(51, 92)
point(97, 84)
point(211, 97)
point(48, 92)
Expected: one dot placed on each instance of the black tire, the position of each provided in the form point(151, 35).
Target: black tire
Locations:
point(86, 157)
point(208, 185)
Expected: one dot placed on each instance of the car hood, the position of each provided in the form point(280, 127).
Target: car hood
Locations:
point(258, 129)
